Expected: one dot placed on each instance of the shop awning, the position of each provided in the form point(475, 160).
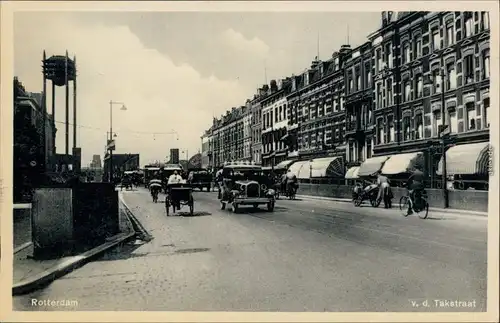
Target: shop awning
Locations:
point(402, 163)
point(301, 169)
point(352, 173)
point(466, 159)
point(327, 167)
point(284, 164)
point(305, 171)
point(372, 165)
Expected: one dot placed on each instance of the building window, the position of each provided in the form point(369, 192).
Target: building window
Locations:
point(407, 90)
point(450, 35)
point(471, 116)
point(436, 121)
point(485, 20)
point(406, 54)
point(368, 148)
point(469, 69)
point(486, 64)
point(351, 152)
point(420, 86)
point(451, 80)
point(453, 121)
point(406, 128)
point(436, 40)
point(379, 96)
point(380, 132)
point(379, 60)
point(389, 92)
point(351, 85)
point(368, 76)
point(390, 124)
point(469, 24)
point(486, 103)
point(388, 55)
point(419, 127)
point(418, 46)
point(358, 82)
point(436, 77)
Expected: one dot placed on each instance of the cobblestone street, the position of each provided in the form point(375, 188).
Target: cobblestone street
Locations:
point(306, 256)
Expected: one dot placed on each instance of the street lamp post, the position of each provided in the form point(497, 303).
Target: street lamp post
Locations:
point(123, 108)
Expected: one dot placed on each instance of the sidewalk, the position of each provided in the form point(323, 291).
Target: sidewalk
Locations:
point(30, 274)
point(441, 210)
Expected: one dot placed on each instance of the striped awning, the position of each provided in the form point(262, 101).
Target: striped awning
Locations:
point(301, 169)
point(403, 163)
point(466, 159)
point(284, 164)
point(327, 167)
point(352, 173)
point(372, 165)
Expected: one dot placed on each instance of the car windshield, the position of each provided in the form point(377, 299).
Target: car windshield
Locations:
point(244, 174)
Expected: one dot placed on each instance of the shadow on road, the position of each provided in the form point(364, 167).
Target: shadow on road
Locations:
point(187, 214)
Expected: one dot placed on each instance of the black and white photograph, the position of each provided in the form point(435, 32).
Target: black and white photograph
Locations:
point(271, 160)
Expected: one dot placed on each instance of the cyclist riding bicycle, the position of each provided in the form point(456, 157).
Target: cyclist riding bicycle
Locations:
point(415, 187)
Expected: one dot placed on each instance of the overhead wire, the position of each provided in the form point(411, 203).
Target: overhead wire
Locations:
point(125, 130)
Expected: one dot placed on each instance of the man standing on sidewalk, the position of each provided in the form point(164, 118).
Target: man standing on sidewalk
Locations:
point(384, 191)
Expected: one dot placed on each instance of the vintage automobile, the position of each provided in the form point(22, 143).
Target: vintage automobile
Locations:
point(200, 178)
point(246, 185)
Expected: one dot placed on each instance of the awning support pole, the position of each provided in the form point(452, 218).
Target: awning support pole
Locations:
point(445, 177)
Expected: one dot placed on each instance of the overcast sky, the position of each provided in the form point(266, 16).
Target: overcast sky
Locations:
point(173, 70)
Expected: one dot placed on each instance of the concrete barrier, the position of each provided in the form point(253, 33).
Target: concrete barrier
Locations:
point(22, 233)
point(462, 200)
point(69, 220)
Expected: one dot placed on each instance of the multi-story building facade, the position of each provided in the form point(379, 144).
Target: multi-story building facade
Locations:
point(226, 141)
point(359, 104)
point(205, 149)
point(247, 131)
point(316, 109)
point(431, 71)
point(275, 123)
point(256, 111)
point(420, 73)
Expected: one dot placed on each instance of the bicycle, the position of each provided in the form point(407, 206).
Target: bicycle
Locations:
point(422, 208)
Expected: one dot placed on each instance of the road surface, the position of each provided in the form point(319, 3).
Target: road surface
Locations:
point(308, 255)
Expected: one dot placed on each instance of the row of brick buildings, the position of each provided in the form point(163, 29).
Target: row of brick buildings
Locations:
point(392, 94)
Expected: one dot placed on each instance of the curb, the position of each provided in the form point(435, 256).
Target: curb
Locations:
point(66, 267)
point(22, 247)
point(73, 263)
point(138, 227)
point(455, 211)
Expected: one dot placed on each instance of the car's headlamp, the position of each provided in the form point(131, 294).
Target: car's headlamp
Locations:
point(270, 191)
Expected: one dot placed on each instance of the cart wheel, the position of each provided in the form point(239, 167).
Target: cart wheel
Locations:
point(222, 205)
point(375, 202)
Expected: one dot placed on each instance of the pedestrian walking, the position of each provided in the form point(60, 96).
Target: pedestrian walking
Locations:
point(385, 192)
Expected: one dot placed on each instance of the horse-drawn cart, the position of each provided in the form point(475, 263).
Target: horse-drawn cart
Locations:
point(177, 196)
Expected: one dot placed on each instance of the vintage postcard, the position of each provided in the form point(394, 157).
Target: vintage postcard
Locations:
point(250, 161)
